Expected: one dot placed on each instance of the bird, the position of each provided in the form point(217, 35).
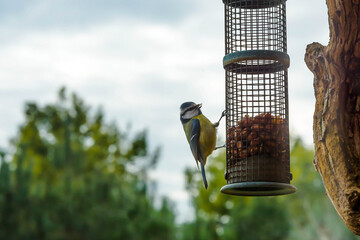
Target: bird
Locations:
point(200, 133)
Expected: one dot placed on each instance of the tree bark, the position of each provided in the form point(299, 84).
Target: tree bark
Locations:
point(336, 126)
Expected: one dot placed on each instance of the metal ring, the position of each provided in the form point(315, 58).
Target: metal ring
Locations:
point(233, 62)
point(258, 189)
point(253, 4)
point(256, 55)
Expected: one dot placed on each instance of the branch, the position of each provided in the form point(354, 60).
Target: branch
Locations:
point(336, 70)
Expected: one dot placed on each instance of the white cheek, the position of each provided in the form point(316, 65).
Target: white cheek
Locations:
point(189, 115)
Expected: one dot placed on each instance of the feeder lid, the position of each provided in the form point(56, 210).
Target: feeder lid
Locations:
point(258, 189)
point(253, 4)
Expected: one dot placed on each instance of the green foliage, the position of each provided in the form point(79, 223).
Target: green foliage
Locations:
point(262, 218)
point(313, 216)
point(307, 214)
point(76, 177)
point(73, 176)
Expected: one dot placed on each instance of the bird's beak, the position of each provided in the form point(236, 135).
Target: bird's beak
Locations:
point(199, 105)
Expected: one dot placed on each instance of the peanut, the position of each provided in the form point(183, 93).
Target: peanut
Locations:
point(262, 134)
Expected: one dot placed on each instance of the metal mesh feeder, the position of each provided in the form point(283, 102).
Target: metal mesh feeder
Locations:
point(257, 124)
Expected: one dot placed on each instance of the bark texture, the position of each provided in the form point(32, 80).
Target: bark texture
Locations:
point(336, 126)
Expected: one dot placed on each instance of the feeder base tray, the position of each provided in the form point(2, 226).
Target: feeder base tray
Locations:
point(258, 189)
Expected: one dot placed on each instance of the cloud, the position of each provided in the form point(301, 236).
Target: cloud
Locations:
point(74, 14)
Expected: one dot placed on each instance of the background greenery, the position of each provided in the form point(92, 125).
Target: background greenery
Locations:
point(74, 176)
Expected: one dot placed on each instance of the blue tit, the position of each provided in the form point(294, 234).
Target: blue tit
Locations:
point(200, 133)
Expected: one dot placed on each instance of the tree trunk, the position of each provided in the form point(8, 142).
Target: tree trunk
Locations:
point(336, 70)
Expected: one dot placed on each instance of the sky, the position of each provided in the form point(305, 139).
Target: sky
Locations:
point(139, 60)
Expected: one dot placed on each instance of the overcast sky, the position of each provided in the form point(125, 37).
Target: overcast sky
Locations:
point(139, 60)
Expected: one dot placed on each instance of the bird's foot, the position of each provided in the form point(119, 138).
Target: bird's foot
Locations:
point(223, 114)
point(216, 148)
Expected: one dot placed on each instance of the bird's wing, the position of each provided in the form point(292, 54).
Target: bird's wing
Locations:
point(194, 140)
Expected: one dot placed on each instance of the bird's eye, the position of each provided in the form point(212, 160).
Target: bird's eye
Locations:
point(188, 113)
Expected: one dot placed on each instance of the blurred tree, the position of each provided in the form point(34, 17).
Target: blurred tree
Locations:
point(75, 177)
point(313, 216)
point(261, 218)
point(307, 214)
point(220, 216)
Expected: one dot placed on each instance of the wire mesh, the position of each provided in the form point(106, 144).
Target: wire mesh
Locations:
point(257, 127)
point(252, 25)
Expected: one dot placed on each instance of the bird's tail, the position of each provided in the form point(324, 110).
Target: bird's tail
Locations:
point(203, 175)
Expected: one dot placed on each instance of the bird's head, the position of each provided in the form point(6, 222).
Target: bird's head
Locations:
point(188, 110)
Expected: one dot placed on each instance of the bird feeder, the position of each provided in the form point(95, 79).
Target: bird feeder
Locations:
point(257, 120)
